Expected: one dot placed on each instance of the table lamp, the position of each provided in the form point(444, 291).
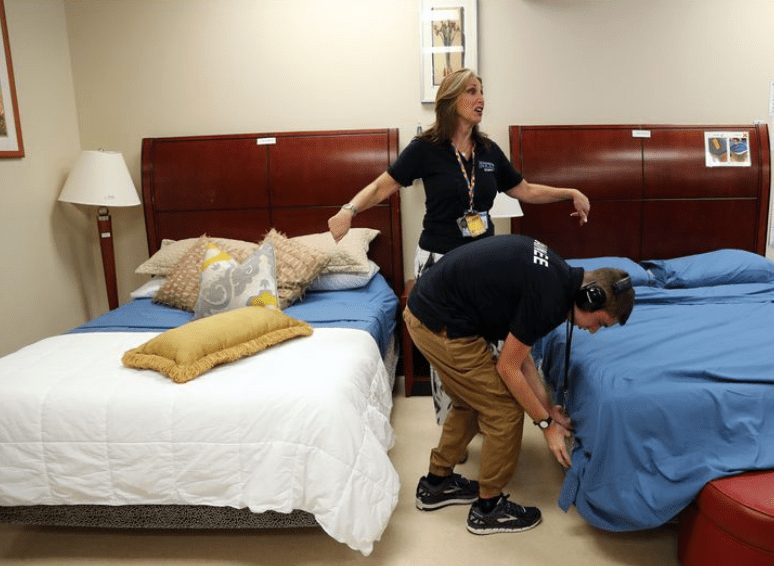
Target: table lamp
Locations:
point(505, 207)
point(101, 178)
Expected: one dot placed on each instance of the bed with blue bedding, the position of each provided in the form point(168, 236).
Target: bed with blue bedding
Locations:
point(683, 393)
point(679, 396)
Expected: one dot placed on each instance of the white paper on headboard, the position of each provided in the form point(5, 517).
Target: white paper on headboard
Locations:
point(771, 229)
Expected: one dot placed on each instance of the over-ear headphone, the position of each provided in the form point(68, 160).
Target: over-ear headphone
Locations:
point(591, 297)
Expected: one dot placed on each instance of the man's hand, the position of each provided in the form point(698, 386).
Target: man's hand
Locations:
point(557, 414)
point(555, 437)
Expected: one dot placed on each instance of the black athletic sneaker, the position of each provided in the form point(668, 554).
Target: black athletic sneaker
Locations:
point(506, 517)
point(453, 490)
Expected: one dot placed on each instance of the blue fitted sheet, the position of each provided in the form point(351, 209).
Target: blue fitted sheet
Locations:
point(372, 308)
point(679, 396)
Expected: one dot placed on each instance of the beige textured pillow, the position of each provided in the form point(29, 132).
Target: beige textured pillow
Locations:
point(162, 262)
point(297, 266)
point(187, 351)
point(170, 252)
point(350, 255)
point(181, 289)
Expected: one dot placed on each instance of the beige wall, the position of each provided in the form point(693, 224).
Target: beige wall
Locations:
point(44, 244)
point(145, 68)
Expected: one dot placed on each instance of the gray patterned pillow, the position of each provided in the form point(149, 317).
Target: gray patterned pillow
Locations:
point(226, 285)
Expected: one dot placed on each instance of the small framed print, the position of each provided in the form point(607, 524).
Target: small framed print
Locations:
point(10, 128)
point(448, 41)
point(727, 149)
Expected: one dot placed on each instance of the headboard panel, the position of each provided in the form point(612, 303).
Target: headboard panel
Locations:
point(652, 194)
point(240, 186)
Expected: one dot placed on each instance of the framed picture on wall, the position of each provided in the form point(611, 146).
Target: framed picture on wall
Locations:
point(10, 129)
point(448, 41)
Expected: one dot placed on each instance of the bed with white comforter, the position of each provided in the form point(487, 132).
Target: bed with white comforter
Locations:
point(303, 425)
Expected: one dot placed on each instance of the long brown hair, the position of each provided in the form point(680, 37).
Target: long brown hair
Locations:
point(452, 86)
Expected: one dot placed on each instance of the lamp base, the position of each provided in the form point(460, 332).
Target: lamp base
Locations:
point(105, 228)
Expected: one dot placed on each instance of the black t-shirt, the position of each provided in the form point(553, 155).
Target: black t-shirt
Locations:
point(446, 192)
point(494, 286)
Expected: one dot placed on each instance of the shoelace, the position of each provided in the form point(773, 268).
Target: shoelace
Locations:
point(508, 504)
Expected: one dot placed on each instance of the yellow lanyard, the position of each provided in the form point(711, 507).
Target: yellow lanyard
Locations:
point(470, 181)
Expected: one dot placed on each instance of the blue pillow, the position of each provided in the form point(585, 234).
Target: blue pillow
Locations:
point(636, 272)
point(721, 267)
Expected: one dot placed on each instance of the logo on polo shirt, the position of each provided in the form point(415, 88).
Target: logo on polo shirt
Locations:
point(486, 166)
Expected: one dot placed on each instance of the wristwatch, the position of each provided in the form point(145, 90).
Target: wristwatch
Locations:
point(544, 424)
point(351, 207)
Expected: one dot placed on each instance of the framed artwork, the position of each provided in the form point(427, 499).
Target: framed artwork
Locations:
point(726, 149)
point(448, 41)
point(10, 128)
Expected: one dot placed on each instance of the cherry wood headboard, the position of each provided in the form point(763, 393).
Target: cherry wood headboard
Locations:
point(240, 186)
point(652, 194)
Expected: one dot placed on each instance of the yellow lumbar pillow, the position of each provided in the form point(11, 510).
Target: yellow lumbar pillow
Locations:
point(187, 351)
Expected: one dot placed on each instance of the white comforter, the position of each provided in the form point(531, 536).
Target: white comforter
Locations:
point(303, 425)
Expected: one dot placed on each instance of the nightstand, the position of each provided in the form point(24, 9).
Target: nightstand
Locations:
point(416, 369)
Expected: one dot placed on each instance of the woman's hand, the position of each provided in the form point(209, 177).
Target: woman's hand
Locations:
point(339, 224)
point(582, 206)
point(372, 194)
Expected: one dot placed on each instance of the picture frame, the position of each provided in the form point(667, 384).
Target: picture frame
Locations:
point(448, 41)
point(727, 149)
point(11, 144)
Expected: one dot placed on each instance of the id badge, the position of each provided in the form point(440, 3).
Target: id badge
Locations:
point(473, 224)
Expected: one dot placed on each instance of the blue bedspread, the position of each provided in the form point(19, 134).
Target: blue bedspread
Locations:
point(679, 396)
point(372, 308)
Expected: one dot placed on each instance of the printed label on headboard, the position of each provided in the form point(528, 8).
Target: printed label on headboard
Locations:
point(266, 141)
point(640, 133)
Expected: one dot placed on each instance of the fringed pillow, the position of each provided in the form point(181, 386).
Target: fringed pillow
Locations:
point(297, 266)
point(187, 351)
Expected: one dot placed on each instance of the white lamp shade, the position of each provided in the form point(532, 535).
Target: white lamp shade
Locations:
point(100, 178)
point(505, 207)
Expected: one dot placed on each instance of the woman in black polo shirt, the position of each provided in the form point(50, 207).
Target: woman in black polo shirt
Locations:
point(462, 170)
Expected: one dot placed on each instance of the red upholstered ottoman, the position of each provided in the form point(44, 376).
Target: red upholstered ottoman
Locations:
point(731, 523)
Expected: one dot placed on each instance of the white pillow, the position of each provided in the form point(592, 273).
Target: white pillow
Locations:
point(343, 281)
point(148, 289)
point(350, 255)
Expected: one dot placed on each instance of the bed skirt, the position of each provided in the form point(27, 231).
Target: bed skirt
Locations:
point(152, 517)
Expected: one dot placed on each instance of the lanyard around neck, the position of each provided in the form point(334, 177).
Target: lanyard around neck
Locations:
point(469, 181)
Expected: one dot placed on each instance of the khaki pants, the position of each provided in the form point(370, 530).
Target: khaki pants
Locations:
point(480, 402)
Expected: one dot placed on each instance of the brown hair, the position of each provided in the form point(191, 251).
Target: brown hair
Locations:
point(453, 85)
point(619, 302)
